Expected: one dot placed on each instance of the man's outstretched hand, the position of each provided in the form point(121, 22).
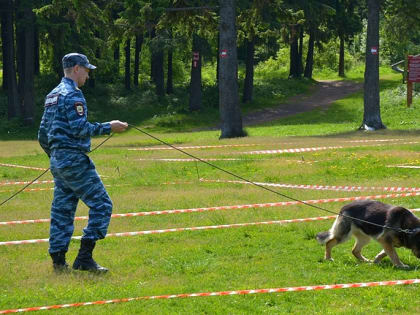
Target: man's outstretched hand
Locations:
point(118, 126)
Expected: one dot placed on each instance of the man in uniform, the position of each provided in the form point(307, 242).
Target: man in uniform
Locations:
point(65, 134)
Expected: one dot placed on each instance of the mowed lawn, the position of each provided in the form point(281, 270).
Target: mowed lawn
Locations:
point(232, 258)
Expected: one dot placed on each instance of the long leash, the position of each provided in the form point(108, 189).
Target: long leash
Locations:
point(43, 173)
point(407, 231)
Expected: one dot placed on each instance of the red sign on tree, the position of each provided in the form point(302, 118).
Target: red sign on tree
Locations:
point(413, 69)
point(196, 58)
point(374, 50)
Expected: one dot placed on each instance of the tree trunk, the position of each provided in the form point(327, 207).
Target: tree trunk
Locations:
point(169, 80)
point(117, 58)
point(36, 48)
point(9, 61)
point(92, 75)
point(300, 50)
point(139, 43)
point(28, 104)
point(127, 64)
point(4, 17)
point(20, 50)
point(169, 74)
point(58, 53)
point(218, 59)
point(310, 56)
point(341, 57)
point(152, 59)
point(294, 53)
point(159, 73)
point(372, 111)
point(249, 72)
point(156, 65)
point(230, 113)
point(195, 83)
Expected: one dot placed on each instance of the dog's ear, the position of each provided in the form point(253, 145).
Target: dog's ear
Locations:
point(406, 218)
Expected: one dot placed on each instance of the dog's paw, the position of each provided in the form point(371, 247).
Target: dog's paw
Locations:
point(363, 259)
point(402, 266)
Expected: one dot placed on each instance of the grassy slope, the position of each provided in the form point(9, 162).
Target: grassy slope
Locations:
point(229, 259)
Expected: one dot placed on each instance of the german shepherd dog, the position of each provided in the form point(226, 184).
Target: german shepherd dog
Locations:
point(349, 223)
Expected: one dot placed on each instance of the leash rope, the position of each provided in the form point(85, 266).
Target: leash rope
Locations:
point(27, 185)
point(44, 172)
point(407, 231)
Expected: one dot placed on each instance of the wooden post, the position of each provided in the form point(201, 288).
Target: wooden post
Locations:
point(413, 75)
point(409, 93)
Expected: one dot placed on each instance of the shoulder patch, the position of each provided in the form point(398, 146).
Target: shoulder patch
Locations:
point(79, 108)
point(51, 100)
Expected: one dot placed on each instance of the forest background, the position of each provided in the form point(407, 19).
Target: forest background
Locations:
point(158, 61)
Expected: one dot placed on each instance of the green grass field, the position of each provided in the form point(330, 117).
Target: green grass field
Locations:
point(252, 257)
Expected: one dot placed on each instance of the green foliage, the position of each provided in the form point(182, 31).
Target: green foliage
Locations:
point(68, 26)
point(272, 67)
point(97, 27)
point(348, 18)
point(400, 31)
point(325, 60)
point(326, 57)
point(189, 22)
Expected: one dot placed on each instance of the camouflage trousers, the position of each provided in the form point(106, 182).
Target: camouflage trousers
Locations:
point(75, 178)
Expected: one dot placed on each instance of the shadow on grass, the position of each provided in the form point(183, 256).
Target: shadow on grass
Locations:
point(350, 111)
point(387, 132)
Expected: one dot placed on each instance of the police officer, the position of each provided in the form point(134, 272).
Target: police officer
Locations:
point(65, 134)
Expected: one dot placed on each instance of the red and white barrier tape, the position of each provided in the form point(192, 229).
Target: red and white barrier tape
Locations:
point(291, 150)
point(373, 140)
point(315, 187)
point(21, 166)
point(191, 160)
point(255, 205)
point(223, 226)
point(179, 183)
point(28, 189)
point(221, 293)
point(41, 189)
point(297, 150)
point(24, 183)
point(404, 166)
point(245, 145)
point(305, 162)
point(194, 228)
point(32, 168)
point(194, 147)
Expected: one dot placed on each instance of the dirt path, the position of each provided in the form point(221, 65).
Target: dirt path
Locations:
point(326, 92)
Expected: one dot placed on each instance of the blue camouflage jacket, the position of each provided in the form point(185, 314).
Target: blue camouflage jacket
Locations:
point(64, 123)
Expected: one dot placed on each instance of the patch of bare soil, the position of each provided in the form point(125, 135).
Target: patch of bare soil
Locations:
point(326, 92)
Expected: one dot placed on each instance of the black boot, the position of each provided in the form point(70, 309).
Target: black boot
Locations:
point(84, 260)
point(59, 261)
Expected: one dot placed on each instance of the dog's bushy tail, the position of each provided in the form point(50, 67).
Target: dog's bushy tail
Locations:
point(323, 237)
